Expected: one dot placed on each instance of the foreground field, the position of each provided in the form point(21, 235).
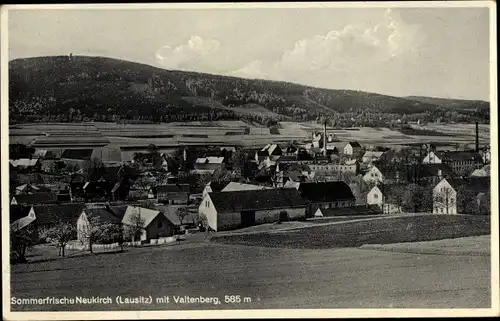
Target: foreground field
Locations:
point(425, 227)
point(267, 277)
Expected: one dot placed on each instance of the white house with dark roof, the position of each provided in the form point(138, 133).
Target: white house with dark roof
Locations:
point(461, 196)
point(386, 197)
point(208, 165)
point(236, 209)
point(352, 148)
point(156, 224)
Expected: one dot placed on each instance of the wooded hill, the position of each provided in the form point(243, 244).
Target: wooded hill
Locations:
point(80, 88)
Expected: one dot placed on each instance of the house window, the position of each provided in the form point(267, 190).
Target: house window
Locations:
point(375, 196)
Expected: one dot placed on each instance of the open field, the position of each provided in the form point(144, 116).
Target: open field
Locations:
point(476, 245)
point(220, 133)
point(368, 231)
point(269, 277)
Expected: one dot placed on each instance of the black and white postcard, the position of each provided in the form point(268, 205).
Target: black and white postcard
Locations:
point(249, 160)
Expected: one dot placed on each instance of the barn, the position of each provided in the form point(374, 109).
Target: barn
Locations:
point(237, 209)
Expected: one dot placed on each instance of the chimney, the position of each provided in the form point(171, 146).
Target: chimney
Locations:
point(324, 141)
point(477, 137)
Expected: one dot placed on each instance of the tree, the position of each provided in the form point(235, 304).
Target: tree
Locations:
point(203, 219)
point(240, 158)
point(112, 233)
point(61, 233)
point(445, 198)
point(94, 169)
point(133, 230)
point(181, 213)
point(94, 231)
point(156, 159)
point(21, 241)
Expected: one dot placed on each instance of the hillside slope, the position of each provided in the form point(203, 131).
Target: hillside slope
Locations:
point(64, 88)
point(459, 104)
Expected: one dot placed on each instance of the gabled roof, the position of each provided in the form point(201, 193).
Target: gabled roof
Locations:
point(148, 215)
point(52, 213)
point(173, 188)
point(484, 171)
point(354, 210)
point(36, 198)
point(40, 152)
point(428, 170)
point(24, 162)
point(269, 149)
point(118, 210)
point(460, 156)
point(210, 160)
point(78, 154)
point(354, 144)
point(19, 218)
point(103, 214)
point(326, 191)
point(287, 158)
point(262, 199)
point(170, 213)
point(217, 186)
point(235, 186)
point(474, 184)
point(17, 212)
point(31, 188)
point(373, 154)
point(296, 176)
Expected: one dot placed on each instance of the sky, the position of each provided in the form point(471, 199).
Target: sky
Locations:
point(439, 52)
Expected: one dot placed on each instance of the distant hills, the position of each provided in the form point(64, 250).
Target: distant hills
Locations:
point(81, 88)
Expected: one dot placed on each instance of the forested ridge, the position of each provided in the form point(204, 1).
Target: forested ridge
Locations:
point(81, 88)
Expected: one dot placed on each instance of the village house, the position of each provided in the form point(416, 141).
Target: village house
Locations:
point(155, 224)
point(76, 157)
point(351, 167)
point(352, 148)
point(374, 156)
point(208, 165)
point(47, 215)
point(269, 153)
point(170, 211)
point(172, 193)
point(292, 176)
point(376, 175)
point(20, 217)
point(458, 161)
point(236, 209)
point(87, 217)
point(462, 196)
point(387, 197)
point(326, 195)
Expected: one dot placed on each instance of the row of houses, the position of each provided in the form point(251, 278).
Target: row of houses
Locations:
point(157, 222)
